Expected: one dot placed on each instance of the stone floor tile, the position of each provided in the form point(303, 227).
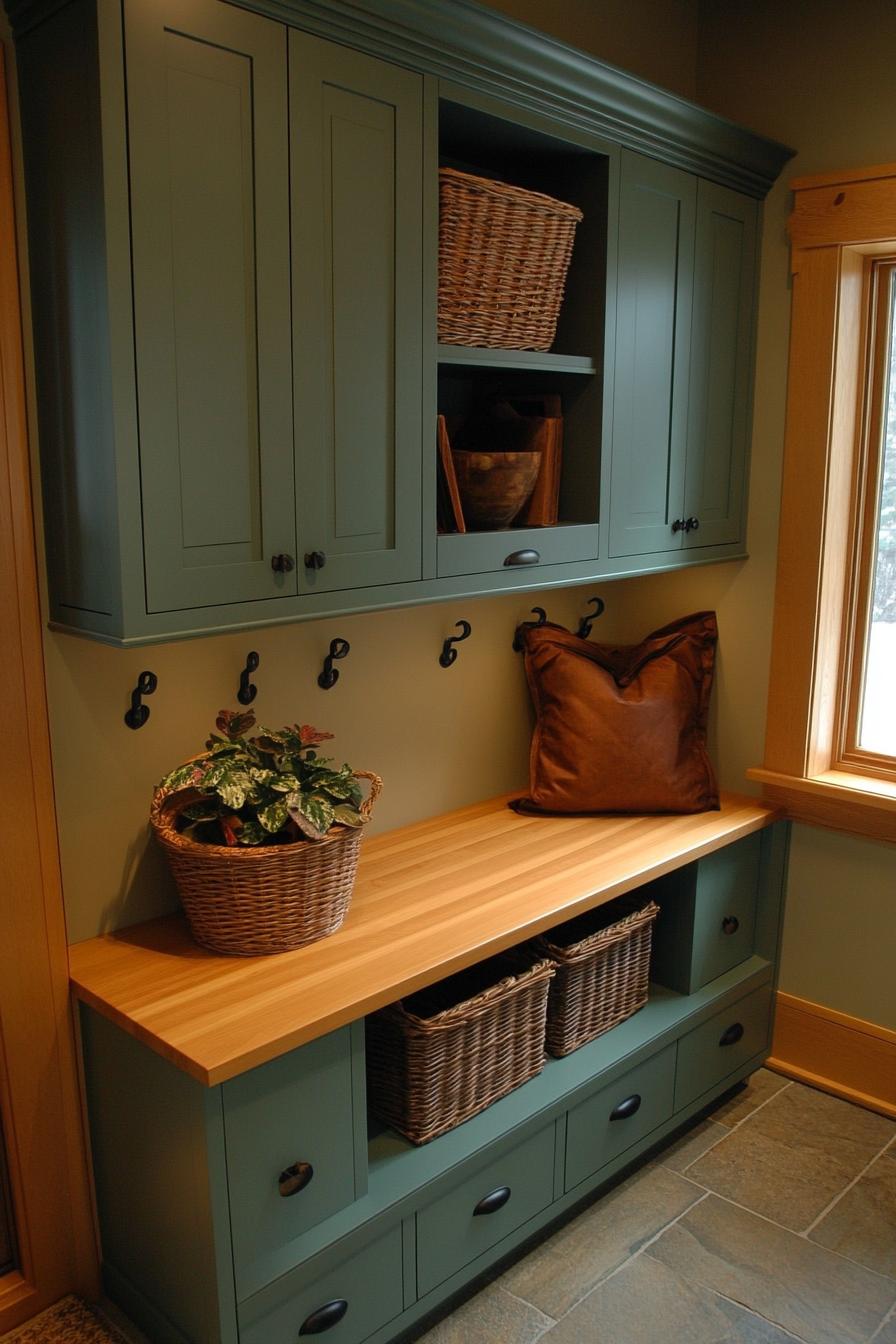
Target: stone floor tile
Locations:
point(560, 1271)
point(815, 1294)
point(491, 1317)
point(887, 1334)
point(862, 1225)
point(760, 1086)
point(648, 1303)
point(682, 1152)
point(794, 1156)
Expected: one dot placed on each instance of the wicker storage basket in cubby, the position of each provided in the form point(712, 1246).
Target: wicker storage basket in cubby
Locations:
point(503, 257)
point(443, 1054)
point(602, 959)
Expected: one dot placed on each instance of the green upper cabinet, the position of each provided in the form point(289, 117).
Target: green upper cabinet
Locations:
point(233, 229)
point(721, 358)
point(653, 334)
point(356, 155)
point(683, 350)
point(209, 176)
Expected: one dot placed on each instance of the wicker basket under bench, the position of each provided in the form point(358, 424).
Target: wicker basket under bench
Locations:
point(443, 1054)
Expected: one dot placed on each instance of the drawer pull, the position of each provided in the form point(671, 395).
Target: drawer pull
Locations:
point(295, 1178)
point(730, 924)
point(626, 1108)
point(330, 1314)
point(493, 1202)
point(527, 557)
point(731, 1035)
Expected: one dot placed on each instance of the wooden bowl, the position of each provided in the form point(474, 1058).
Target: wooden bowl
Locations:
point(494, 486)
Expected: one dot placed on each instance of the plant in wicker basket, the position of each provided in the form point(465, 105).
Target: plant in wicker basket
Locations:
point(262, 836)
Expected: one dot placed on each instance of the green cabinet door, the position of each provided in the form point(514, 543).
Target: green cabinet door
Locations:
point(721, 346)
point(209, 180)
point(653, 334)
point(356, 157)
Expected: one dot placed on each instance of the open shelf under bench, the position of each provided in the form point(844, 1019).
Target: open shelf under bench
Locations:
point(430, 899)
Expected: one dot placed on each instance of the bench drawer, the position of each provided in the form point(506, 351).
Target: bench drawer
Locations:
point(289, 1131)
point(483, 1208)
point(348, 1300)
point(712, 1051)
point(617, 1116)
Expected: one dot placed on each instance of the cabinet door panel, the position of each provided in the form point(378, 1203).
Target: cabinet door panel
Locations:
point(209, 163)
point(357, 275)
point(653, 331)
point(718, 417)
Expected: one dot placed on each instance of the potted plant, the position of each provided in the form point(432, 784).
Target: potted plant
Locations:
point(262, 836)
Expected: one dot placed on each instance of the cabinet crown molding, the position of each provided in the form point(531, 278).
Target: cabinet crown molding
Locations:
point(484, 51)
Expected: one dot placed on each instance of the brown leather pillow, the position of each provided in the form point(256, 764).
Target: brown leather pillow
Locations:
point(621, 728)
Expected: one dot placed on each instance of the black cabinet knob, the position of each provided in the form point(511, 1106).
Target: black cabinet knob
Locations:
point(294, 1178)
point(731, 1035)
point(315, 559)
point(730, 924)
point(527, 557)
point(626, 1108)
point(679, 525)
point(691, 524)
point(330, 1314)
point(282, 564)
point(491, 1203)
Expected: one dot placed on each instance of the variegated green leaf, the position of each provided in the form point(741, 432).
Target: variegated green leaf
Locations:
point(274, 817)
point(312, 813)
point(252, 834)
point(233, 787)
point(346, 815)
point(205, 810)
point(285, 783)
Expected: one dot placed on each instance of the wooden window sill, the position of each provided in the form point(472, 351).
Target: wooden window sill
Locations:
point(858, 804)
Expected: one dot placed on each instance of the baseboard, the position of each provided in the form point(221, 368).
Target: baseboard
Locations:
point(843, 1055)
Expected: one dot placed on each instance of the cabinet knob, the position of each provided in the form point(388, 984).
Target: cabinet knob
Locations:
point(626, 1108)
point(691, 524)
point(523, 558)
point(295, 1178)
point(315, 559)
point(282, 564)
point(679, 525)
point(730, 924)
point(491, 1203)
point(731, 1035)
point(330, 1314)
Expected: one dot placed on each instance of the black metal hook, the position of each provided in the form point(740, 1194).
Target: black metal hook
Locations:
point(247, 692)
point(330, 675)
point(448, 654)
point(529, 625)
point(138, 713)
point(586, 622)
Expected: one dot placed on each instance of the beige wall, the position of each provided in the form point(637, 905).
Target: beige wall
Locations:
point(441, 738)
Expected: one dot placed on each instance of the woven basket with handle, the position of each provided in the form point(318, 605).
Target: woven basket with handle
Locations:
point(252, 900)
point(602, 959)
point(503, 257)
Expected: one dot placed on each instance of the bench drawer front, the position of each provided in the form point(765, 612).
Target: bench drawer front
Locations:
point(720, 1046)
point(290, 1153)
point(725, 913)
point(507, 1192)
point(617, 1116)
point(348, 1301)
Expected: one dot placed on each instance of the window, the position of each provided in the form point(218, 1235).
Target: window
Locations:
point(830, 754)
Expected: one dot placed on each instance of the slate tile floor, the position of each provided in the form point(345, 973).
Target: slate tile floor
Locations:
point(772, 1221)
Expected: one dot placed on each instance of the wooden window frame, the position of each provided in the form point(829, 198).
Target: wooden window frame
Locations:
point(840, 225)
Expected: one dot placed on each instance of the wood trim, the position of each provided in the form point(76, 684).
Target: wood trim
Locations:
point(856, 804)
point(845, 213)
point(429, 899)
point(39, 1099)
point(843, 1055)
point(842, 178)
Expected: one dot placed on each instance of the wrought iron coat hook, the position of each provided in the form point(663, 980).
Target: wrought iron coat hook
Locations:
point(586, 622)
point(330, 675)
point(247, 691)
point(138, 713)
point(532, 625)
point(449, 654)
